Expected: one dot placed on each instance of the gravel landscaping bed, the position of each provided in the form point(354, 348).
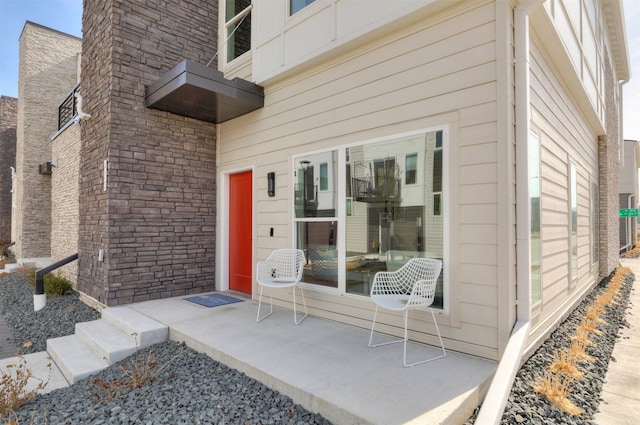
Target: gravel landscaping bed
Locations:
point(525, 406)
point(166, 384)
point(31, 329)
point(191, 388)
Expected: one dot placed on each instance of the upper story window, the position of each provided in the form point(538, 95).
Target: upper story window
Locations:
point(237, 27)
point(297, 5)
point(410, 168)
point(324, 176)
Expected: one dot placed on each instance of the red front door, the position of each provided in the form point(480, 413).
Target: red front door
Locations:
point(240, 237)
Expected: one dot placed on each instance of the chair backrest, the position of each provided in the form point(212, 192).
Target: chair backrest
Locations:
point(287, 263)
point(417, 269)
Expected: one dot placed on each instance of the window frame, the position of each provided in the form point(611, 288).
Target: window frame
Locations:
point(230, 29)
point(572, 188)
point(535, 143)
point(291, 6)
point(343, 155)
point(414, 170)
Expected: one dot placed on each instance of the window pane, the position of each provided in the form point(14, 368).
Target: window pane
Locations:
point(297, 5)
point(595, 224)
point(390, 222)
point(437, 171)
point(534, 198)
point(318, 240)
point(574, 220)
point(324, 176)
point(309, 201)
point(410, 168)
point(240, 33)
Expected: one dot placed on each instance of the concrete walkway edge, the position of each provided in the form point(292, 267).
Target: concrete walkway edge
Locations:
point(621, 391)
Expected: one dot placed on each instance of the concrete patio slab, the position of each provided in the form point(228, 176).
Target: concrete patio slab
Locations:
point(327, 367)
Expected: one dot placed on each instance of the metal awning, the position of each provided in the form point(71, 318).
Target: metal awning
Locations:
point(197, 91)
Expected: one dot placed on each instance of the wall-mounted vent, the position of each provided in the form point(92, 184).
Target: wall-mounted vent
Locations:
point(45, 168)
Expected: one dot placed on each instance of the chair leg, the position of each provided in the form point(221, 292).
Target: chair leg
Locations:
point(373, 326)
point(295, 313)
point(444, 353)
point(258, 318)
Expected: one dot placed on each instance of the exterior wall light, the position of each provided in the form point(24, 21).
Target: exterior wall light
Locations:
point(271, 184)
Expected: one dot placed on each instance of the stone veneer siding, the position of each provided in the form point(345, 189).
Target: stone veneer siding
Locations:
point(155, 222)
point(609, 165)
point(65, 208)
point(8, 116)
point(47, 72)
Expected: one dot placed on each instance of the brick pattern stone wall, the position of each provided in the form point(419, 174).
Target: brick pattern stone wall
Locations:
point(156, 220)
point(47, 72)
point(65, 207)
point(609, 164)
point(8, 117)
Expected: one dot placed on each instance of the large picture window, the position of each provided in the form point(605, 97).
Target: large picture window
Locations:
point(357, 211)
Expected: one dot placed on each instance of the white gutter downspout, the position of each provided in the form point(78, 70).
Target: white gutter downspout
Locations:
point(493, 405)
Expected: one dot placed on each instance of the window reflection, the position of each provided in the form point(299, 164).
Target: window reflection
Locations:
point(393, 211)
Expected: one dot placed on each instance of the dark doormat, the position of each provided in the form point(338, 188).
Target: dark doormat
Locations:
point(213, 300)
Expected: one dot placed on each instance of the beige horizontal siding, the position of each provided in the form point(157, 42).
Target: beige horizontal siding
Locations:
point(566, 137)
point(428, 75)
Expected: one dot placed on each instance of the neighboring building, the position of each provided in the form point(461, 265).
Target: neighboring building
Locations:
point(65, 182)
point(628, 184)
point(477, 132)
point(8, 115)
point(48, 70)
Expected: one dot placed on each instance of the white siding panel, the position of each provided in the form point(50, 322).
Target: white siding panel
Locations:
point(480, 274)
point(304, 38)
point(477, 294)
point(479, 193)
point(478, 253)
point(478, 214)
point(477, 154)
point(478, 233)
point(481, 173)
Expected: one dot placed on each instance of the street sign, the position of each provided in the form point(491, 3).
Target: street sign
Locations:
point(629, 212)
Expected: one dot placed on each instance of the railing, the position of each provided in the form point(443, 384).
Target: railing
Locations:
point(372, 190)
point(40, 298)
point(68, 109)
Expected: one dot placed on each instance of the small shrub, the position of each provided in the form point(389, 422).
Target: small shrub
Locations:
point(565, 363)
point(593, 314)
point(138, 370)
point(579, 350)
point(55, 286)
point(5, 252)
point(27, 273)
point(556, 388)
point(582, 335)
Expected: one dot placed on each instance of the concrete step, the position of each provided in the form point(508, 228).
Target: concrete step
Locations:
point(100, 343)
point(145, 330)
point(106, 341)
point(75, 359)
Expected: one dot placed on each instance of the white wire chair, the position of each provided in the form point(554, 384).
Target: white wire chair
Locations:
point(413, 286)
point(282, 269)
